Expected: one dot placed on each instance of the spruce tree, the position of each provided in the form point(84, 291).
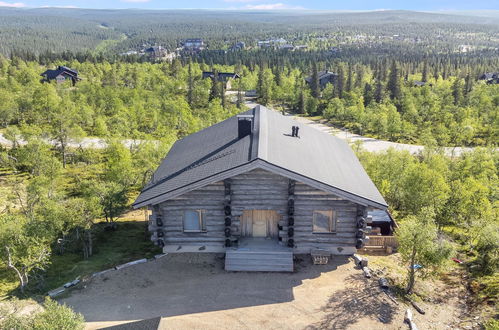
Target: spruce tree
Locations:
point(314, 82)
point(393, 85)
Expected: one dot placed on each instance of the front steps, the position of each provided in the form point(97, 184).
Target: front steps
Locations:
point(242, 260)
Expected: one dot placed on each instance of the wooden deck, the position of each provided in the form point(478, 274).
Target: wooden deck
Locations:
point(259, 255)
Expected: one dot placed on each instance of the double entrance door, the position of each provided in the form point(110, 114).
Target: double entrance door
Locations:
point(260, 223)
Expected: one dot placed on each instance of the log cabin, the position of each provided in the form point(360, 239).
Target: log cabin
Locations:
point(260, 187)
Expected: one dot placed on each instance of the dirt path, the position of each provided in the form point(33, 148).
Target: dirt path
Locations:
point(194, 292)
point(87, 142)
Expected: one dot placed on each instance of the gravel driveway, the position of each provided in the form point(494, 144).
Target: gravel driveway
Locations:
point(194, 292)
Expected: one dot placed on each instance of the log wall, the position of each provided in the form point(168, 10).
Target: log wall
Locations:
point(255, 190)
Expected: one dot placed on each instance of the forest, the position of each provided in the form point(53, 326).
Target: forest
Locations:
point(56, 30)
point(65, 210)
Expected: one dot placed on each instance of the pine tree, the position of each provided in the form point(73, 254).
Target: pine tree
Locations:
point(378, 91)
point(301, 102)
point(360, 76)
point(340, 83)
point(215, 87)
point(314, 82)
point(393, 85)
point(368, 94)
point(349, 78)
point(190, 86)
point(425, 71)
point(457, 91)
point(468, 84)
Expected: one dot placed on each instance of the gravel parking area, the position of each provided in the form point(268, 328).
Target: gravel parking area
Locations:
point(195, 292)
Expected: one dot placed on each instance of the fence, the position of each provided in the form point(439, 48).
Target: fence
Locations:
point(382, 241)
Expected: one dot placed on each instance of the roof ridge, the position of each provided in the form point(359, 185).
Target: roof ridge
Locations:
point(263, 136)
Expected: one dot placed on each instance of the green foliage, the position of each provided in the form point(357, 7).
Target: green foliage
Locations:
point(55, 316)
point(492, 324)
point(419, 244)
point(52, 316)
point(21, 249)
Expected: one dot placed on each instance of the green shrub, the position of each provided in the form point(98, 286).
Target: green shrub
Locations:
point(57, 316)
point(492, 324)
point(53, 316)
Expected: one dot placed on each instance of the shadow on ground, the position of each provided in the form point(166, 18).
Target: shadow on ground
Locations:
point(360, 299)
point(185, 284)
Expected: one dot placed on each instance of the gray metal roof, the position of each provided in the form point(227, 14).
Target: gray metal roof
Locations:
point(314, 157)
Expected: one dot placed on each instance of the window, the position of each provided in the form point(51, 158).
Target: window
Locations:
point(194, 221)
point(324, 221)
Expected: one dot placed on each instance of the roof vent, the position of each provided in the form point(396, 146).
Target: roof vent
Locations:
point(294, 131)
point(244, 125)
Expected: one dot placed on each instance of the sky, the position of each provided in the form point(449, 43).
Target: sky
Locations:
point(423, 5)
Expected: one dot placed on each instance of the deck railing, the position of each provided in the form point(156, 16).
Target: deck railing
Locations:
point(382, 241)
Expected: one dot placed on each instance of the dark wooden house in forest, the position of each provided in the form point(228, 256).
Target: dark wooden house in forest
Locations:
point(325, 77)
point(61, 75)
point(224, 77)
point(260, 187)
point(490, 77)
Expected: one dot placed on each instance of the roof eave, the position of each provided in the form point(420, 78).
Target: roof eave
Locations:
point(260, 164)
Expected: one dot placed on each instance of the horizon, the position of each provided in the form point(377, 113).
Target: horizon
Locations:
point(260, 5)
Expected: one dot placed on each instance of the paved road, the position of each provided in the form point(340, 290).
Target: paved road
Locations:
point(369, 144)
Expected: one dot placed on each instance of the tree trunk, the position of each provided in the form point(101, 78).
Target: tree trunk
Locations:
point(23, 280)
point(90, 243)
point(412, 271)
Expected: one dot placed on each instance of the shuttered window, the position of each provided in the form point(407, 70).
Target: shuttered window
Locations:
point(324, 221)
point(194, 221)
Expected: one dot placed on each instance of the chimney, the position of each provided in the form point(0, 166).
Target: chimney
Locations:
point(244, 125)
point(294, 131)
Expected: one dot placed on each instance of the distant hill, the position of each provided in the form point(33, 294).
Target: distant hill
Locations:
point(58, 29)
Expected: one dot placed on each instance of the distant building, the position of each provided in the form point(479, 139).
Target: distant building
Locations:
point(238, 46)
point(251, 93)
point(325, 77)
point(195, 44)
point(287, 47)
point(225, 77)
point(490, 77)
point(418, 83)
point(61, 75)
point(465, 48)
point(275, 43)
point(158, 53)
point(334, 50)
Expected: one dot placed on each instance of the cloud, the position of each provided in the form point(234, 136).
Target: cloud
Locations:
point(135, 1)
point(242, 1)
point(271, 6)
point(67, 7)
point(12, 4)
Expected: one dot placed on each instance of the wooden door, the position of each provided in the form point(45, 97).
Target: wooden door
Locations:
point(259, 223)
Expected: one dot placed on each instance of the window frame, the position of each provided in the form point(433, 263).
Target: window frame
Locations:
point(201, 219)
point(332, 221)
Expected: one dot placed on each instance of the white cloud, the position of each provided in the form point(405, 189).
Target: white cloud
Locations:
point(242, 1)
point(12, 4)
point(135, 1)
point(271, 6)
point(67, 7)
